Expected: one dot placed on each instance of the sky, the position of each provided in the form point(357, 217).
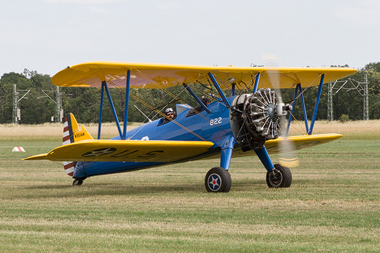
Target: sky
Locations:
point(48, 35)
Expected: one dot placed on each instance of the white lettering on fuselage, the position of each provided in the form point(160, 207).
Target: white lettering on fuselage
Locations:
point(216, 121)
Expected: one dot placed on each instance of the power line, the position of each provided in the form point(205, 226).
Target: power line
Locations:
point(348, 85)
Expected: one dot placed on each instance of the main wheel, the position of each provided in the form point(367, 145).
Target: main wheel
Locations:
point(218, 180)
point(77, 182)
point(279, 177)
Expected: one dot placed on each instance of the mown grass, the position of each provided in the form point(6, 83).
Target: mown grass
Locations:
point(332, 205)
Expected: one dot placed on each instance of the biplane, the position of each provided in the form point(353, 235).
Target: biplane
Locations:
point(228, 127)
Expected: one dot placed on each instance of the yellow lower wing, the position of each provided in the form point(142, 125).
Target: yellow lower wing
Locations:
point(303, 141)
point(158, 151)
point(126, 151)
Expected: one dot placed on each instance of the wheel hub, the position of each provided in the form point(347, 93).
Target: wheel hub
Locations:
point(275, 178)
point(214, 182)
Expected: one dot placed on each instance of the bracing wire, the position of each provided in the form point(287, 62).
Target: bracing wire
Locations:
point(161, 113)
point(291, 114)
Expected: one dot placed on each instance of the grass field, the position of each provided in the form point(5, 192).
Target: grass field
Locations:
point(333, 204)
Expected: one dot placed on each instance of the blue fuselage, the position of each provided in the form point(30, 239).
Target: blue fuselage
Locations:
point(213, 126)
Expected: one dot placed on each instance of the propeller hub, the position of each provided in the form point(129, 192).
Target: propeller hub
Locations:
point(270, 111)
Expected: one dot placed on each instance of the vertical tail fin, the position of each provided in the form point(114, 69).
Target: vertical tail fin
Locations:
point(72, 132)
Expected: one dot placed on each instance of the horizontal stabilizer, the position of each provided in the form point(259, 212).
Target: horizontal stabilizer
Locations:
point(37, 157)
point(127, 151)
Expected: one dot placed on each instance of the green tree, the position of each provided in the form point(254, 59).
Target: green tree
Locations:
point(35, 108)
point(84, 103)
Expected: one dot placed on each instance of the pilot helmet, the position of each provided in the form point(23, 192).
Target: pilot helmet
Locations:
point(169, 111)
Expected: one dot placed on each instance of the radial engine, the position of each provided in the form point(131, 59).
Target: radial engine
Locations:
point(256, 118)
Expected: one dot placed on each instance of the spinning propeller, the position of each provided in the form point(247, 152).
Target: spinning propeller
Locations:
point(287, 156)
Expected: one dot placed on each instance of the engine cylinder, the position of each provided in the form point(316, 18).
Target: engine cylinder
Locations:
point(255, 118)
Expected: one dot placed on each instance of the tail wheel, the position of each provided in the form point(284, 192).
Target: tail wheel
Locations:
point(279, 177)
point(218, 180)
point(77, 182)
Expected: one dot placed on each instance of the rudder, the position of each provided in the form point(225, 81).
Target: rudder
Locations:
point(72, 132)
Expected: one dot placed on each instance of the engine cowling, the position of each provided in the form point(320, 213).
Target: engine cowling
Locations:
point(255, 118)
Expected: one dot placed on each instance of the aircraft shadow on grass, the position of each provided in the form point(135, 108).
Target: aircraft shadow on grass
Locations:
point(104, 189)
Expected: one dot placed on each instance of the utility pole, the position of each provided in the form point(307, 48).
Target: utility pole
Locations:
point(16, 114)
point(58, 103)
point(365, 96)
point(15, 105)
point(59, 110)
point(330, 114)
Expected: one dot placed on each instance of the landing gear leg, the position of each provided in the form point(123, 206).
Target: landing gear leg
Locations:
point(218, 179)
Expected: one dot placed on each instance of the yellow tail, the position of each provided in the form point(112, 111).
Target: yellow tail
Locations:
point(72, 132)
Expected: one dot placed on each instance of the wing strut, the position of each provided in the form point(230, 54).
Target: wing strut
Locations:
point(233, 89)
point(126, 104)
point(113, 108)
point(316, 104)
point(101, 111)
point(196, 98)
point(298, 87)
point(219, 89)
point(309, 131)
point(105, 88)
point(257, 80)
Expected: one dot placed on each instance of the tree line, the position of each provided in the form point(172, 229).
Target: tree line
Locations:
point(39, 105)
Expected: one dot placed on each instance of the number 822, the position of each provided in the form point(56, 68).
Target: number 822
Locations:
point(216, 121)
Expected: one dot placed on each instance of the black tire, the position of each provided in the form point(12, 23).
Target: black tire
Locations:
point(77, 182)
point(218, 180)
point(279, 177)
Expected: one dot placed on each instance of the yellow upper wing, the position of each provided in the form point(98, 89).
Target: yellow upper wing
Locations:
point(126, 151)
point(159, 76)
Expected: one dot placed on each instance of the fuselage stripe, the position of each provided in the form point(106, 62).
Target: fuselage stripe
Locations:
point(70, 170)
point(67, 165)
